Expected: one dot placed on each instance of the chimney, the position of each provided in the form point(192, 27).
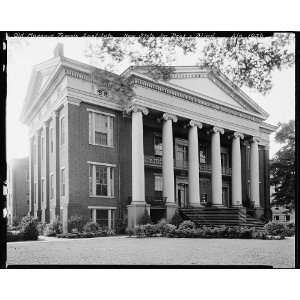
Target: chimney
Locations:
point(59, 50)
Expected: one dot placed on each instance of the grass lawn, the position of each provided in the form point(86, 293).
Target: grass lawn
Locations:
point(154, 251)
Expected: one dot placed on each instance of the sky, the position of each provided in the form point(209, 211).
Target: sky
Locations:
point(24, 53)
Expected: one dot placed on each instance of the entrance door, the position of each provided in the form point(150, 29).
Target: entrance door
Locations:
point(225, 196)
point(182, 192)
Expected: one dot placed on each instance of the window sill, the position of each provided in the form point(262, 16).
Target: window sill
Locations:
point(105, 146)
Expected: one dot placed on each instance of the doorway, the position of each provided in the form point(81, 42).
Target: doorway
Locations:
point(182, 192)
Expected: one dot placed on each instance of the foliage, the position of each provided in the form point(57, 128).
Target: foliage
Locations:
point(282, 166)
point(79, 235)
point(145, 219)
point(76, 223)
point(247, 61)
point(121, 226)
point(29, 228)
point(54, 228)
point(273, 228)
point(91, 227)
point(41, 227)
point(176, 219)
point(187, 229)
point(14, 236)
point(187, 225)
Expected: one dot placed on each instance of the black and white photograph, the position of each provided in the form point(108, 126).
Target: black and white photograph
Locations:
point(150, 149)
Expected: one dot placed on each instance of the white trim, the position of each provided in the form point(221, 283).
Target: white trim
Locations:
point(100, 112)
point(101, 164)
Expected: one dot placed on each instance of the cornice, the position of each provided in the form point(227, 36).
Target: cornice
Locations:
point(191, 98)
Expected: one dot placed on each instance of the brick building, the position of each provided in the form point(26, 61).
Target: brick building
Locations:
point(17, 189)
point(186, 143)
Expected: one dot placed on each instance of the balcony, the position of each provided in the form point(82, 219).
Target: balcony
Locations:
point(156, 162)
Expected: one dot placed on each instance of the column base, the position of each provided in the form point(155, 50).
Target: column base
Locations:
point(170, 210)
point(135, 212)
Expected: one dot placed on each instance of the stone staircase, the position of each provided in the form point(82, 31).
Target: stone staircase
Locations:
point(217, 216)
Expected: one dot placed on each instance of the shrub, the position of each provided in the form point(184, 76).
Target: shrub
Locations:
point(151, 230)
point(139, 231)
point(129, 231)
point(187, 225)
point(185, 232)
point(121, 226)
point(168, 230)
point(290, 229)
point(176, 219)
point(14, 236)
point(41, 227)
point(29, 228)
point(78, 235)
point(76, 223)
point(54, 228)
point(273, 228)
point(145, 218)
point(91, 227)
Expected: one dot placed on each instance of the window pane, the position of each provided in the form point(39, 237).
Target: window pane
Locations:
point(100, 138)
point(101, 123)
point(102, 217)
point(158, 184)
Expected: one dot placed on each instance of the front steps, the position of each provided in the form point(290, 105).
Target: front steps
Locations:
point(217, 216)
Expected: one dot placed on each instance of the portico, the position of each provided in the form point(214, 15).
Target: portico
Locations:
point(178, 192)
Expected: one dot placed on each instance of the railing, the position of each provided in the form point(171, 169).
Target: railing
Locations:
point(152, 200)
point(156, 162)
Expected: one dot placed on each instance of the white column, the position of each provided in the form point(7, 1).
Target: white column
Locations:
point(168, 159)
point(216, 176)
point(236, 178)
point(254, 172)
point(194, 189)
point(138, 171)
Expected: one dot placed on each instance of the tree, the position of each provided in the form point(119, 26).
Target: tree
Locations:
point(247, 61)
point(282, 166)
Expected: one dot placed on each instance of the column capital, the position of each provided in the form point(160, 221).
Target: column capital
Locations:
point(55, 114)
point(167, 116)
point(193, 123)
point(237, 134)
point(254, 139)
point(46, 123)
point(137, 108)
point(216, 129)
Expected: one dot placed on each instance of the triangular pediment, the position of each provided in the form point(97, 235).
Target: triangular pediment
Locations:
point(209, 85)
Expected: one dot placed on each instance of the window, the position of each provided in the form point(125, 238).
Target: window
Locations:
point(202, 154)
point(100, 129)
point(62, 182)
point(224, 160)
point(158, 183)
point(51, 140)
point(158, 150)
point(181, 150)
point(62, 131)
point(101, 180)
point(287, 218)
point(51, 187)
point(102, 217)
point(276, 218)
